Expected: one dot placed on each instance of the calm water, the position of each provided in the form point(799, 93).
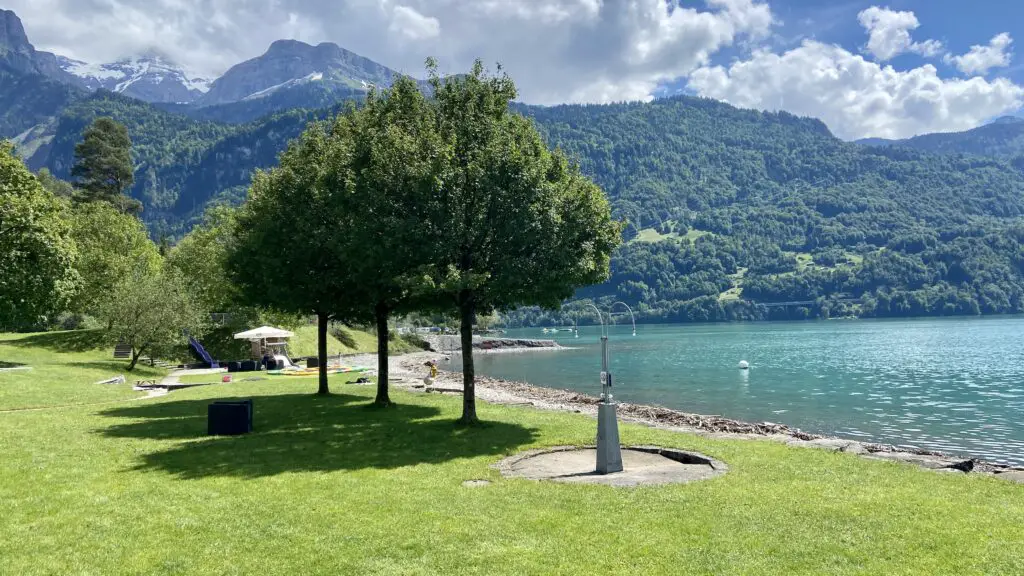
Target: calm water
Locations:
point(954, 385)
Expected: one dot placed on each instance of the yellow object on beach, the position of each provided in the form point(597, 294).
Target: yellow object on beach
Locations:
point(315, 371)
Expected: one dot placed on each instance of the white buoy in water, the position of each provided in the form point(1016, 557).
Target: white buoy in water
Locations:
point(744, 365)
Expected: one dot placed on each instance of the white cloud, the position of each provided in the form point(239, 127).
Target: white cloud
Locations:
point(981, 59)
point(565, 50)
point(855, 97)
point(889, 34)
point(557, 50)
point(414, 25)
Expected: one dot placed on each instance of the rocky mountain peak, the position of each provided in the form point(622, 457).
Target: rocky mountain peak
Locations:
point(151, 76)
point(287, 63)
point(12, 34)
point(17, 53)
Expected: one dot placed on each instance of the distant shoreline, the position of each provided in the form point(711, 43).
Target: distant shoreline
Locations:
point(447, 344)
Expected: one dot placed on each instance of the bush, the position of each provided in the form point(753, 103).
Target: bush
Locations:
point(416, 341)
point(341, 334)
point(75, 321)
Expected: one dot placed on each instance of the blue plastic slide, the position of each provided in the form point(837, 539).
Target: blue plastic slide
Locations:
point(198, 349)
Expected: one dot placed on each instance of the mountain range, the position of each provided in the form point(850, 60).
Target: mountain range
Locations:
point(288, 66)
point(1004, 137)
point(727, 209)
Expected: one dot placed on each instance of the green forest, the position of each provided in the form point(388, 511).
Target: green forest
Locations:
point(729, 214)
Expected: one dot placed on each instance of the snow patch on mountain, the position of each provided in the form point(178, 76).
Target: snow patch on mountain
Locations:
point(150, 77)
point(314, 77)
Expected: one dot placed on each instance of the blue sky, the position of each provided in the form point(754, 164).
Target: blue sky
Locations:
point(958, 24)
point(886, 69)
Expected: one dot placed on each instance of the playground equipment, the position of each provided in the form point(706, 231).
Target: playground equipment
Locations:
point(201, 352)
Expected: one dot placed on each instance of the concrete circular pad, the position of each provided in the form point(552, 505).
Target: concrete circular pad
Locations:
point(642, 466)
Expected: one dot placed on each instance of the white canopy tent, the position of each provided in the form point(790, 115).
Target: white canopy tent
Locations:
point(263, 333)
point(267, 338)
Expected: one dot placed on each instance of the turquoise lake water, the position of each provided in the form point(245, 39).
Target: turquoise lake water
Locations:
point(953, 385)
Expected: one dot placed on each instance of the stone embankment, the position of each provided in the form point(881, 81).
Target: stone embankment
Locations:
point(447, 344)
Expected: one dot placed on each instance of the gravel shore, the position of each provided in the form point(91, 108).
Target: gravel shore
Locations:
point(408, 371)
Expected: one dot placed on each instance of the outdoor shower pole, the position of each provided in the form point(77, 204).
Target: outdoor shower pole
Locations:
point(609, 453)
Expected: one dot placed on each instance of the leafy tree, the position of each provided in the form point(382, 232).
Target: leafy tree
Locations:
point(54, 185)
point(37, 255)
point(391, 166)
point(201, 257)
point(112, 246)
point(513, 223)
point(288, 237)
point(152, 313)
point(103, 165)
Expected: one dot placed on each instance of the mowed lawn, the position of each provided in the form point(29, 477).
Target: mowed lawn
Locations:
point(65, 367)
point(330, 485)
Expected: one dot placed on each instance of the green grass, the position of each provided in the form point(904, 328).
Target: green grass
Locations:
point(304, 343)
point(334, 486)
point(652, 235)
point(65, 369)
point(692, 235)
point(736, 292)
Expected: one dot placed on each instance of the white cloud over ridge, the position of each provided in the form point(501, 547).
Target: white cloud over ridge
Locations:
point(570, 51)
point(412, 24)
point(557, 50)
point(981, 59)
point(855, 97)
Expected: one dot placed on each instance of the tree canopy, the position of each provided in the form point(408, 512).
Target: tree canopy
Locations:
point(37, 254)
point(112, 246)
point(103, 165)
point(787, 210)
point(290, 239)
point(153, 313)
point(513, 223)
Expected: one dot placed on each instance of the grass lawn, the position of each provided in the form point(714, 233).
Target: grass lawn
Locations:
point(652, 235)
point(304, 343)
point(330, 485)
point(65, 369)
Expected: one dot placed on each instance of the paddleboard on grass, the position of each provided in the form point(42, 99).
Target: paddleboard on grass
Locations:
point(315, 371)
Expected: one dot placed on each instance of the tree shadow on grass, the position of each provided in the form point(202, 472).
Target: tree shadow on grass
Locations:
point(302, 433)
point(71, 341)
point(4, 364)
point(109, 366)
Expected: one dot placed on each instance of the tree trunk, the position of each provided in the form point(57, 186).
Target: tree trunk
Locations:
point(135, 358)
point(321, 351)
point(381, 312)
point(466, 311)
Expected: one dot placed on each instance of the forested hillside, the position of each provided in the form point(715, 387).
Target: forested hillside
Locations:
point(181, 163)
point(728, 209)
point(729, 206)
point(1003, 138)
point(27, 100)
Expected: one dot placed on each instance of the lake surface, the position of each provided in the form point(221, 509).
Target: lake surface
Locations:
point(953, 385)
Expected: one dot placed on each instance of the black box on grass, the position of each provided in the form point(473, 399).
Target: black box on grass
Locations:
point(224, 418)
